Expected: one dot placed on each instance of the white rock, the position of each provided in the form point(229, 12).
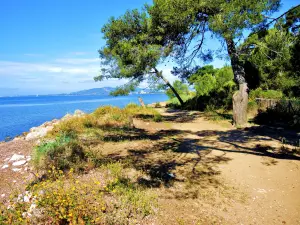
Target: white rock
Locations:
point(78, 113)
point(27, 196)
point(6, 159)
point(16, 157)
point(38, 133)
point(28, 158)
point(19, 163)
point(5, 166)
point(16, 170)
point(33, 129)
point(3, 195)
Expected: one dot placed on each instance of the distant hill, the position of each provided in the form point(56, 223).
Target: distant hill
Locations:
point(107, 90)
point(94, 91)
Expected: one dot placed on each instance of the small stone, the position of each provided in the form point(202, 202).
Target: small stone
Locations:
point(5, 166)
point(3, 195)
point(27, 197)
point(16, 157)
point(19, 163)
point(16, 169)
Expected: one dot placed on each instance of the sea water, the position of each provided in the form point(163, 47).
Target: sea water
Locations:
point(19, 114)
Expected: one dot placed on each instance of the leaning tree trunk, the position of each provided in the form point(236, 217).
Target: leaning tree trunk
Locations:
point(142, 102)
point(240, 98)
point(159, 74)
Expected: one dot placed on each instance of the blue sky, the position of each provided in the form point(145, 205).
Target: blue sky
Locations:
point(50, 46)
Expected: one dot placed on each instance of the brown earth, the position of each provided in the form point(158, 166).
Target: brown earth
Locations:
point(203, 172)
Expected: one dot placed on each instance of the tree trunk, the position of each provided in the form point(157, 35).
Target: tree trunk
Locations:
point(142, 102)
point(240, 98)
point(159, 74)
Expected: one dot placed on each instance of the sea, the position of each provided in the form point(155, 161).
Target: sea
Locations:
point(19, 114)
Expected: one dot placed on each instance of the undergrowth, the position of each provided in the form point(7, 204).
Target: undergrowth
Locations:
point(70, 200)
point(61, 195)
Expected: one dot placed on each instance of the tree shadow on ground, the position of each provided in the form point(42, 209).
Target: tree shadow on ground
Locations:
point(236, 138)
point(185, 157)
point(180, 116)
point(172, 159)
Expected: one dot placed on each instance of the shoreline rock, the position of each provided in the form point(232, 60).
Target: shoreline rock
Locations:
point(36, 133)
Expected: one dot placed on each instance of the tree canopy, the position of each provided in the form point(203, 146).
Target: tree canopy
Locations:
point(132, 52)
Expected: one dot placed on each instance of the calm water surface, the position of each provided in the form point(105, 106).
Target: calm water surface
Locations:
point(19, 114)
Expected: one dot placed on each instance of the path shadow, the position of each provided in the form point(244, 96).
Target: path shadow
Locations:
point(180, 116)
point(181, 157)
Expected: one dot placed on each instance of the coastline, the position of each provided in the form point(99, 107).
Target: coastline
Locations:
point(37, 132)
point(18, 116)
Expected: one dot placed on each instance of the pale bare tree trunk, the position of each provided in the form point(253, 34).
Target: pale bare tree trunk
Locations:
point(142, 102)
point(159, 74)
point(240, 98)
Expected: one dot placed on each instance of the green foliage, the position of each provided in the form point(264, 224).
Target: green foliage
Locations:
point(181, 88)
point(184, 23)
point(213, 89)
point(205, 84)
point(173, 102)
point(41, 151)
point(271, 54)
point(268, 94)
point(63, 153)
point(132, 51)
point(200, 72)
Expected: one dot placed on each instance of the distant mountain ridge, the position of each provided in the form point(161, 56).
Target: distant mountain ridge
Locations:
point(108, 90)
point(94, 91)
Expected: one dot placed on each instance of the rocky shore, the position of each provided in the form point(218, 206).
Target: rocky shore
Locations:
point(36, 133)
point(15, 155)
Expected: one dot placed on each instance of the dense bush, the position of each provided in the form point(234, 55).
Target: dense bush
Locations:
point(284, 113)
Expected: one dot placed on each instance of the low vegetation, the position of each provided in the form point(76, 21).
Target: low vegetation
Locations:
point(63, 195)
point(64, 198)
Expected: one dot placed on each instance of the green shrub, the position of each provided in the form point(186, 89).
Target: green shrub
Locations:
point(281, 114)
point(63, 153)
point(268, 94)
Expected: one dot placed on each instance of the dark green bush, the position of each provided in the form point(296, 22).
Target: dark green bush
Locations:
point(284, 113)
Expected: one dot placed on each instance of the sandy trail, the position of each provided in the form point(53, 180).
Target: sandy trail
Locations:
point(270, 181)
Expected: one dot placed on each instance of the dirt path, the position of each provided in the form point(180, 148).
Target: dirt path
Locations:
point(255, 166)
